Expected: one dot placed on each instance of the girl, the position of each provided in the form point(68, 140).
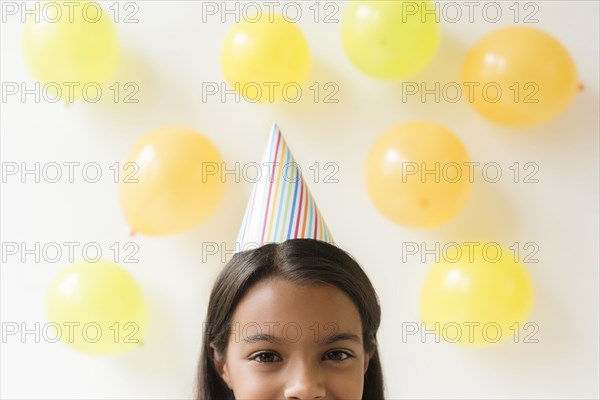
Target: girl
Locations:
point(291, 320)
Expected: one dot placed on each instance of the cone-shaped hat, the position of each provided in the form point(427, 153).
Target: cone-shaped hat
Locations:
point(281, 207)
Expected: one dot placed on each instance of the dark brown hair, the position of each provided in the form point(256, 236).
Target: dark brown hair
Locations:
point(300, 261)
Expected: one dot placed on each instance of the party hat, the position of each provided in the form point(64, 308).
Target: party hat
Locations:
point(281, 207)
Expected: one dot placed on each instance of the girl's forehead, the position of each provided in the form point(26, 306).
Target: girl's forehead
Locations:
point(282, 305)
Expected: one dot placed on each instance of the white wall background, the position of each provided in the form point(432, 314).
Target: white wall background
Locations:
point(169, 53)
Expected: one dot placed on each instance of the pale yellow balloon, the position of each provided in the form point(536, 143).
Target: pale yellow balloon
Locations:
point(267, 60)
point(477, 295)
point(417, 174)
point(175, 182)
point(519, 76)
point(72, 48)
point(96, 308)
point(390, 39)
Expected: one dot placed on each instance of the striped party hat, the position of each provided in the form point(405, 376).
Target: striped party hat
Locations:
point(281, 206)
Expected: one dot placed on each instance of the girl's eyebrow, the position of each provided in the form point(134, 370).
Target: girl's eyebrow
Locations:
point(342, 336)
point(262, 337)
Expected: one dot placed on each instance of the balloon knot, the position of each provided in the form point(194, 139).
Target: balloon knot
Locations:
point(581, 87)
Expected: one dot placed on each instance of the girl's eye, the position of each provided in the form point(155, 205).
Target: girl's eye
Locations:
point(266, 357)
point(337, 355)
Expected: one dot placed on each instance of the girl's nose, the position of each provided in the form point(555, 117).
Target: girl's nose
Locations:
point(305, 383)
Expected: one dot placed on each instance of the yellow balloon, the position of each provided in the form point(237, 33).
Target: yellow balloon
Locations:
point(72, 49)
point(390, 39)
point(173, 182)
point(97, 308)
point(478, 294)
point(417, 174)
point(519, 76)
point(264, 60)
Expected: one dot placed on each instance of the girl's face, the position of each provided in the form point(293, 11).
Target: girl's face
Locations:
point(289, 341)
